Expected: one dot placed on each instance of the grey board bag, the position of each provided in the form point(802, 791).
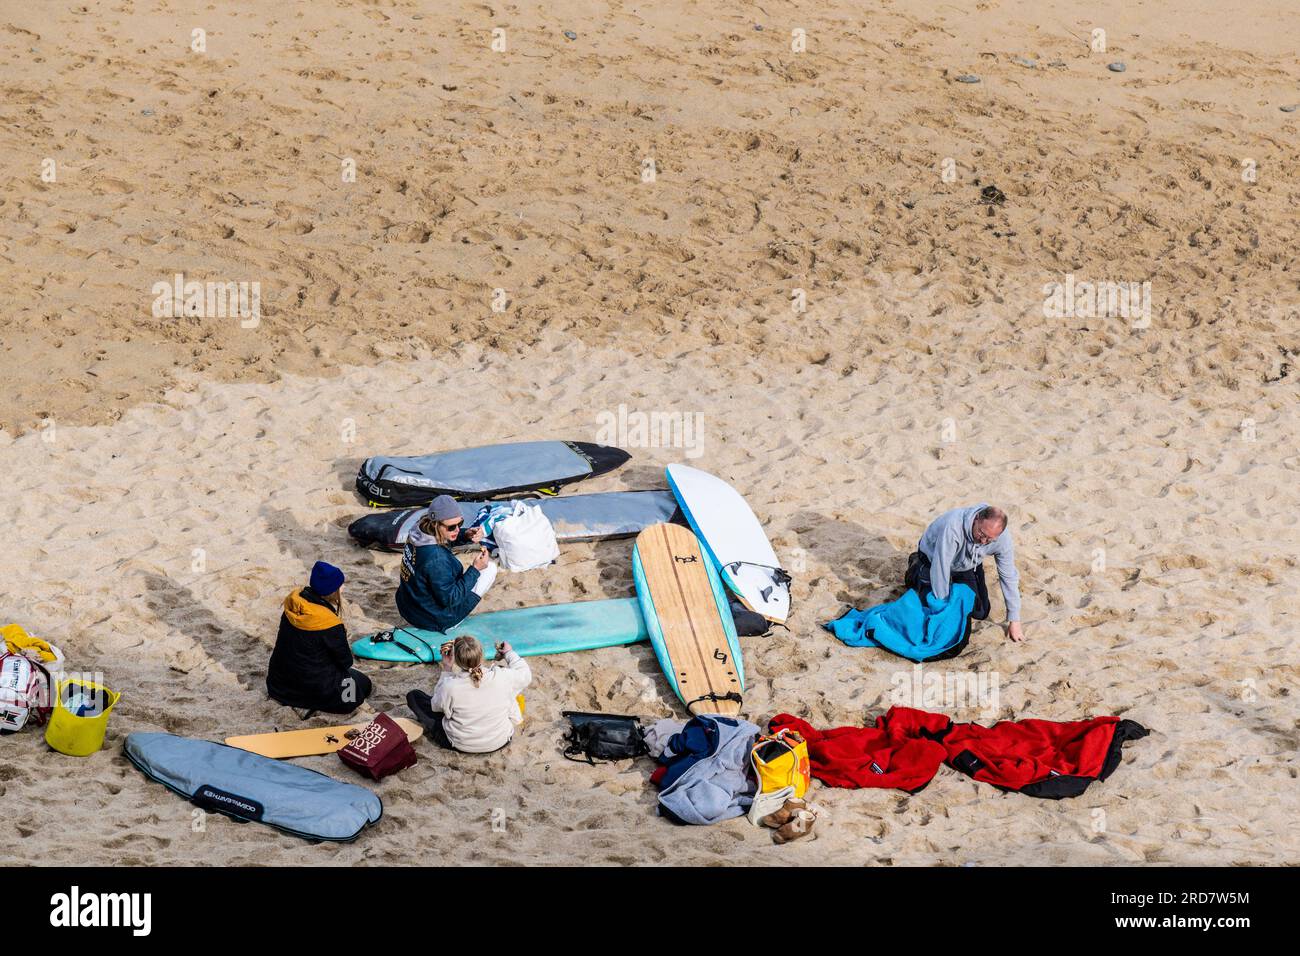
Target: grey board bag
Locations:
point(247, 786)
point(593, 517)
point(388, 481)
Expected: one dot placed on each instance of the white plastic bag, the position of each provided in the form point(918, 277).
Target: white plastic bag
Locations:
point(525, 539)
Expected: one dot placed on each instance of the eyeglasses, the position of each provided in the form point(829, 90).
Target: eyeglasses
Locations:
point(453, 525)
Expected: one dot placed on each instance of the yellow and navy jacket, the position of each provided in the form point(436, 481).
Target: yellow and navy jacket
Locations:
point(311, 656)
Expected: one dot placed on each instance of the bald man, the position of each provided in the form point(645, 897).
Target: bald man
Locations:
point(953, 550)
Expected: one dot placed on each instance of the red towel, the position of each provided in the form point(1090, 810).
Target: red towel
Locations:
point(1041, 758)
point(891, 754)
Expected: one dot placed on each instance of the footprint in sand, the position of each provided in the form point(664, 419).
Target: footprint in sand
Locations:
point(105, 185)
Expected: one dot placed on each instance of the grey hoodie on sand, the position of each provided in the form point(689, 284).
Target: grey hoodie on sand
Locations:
point(720, 785)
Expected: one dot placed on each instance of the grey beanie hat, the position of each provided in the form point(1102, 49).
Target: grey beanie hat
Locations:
point(444, 508)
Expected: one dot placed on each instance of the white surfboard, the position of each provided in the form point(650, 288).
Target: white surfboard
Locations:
point(734, 540)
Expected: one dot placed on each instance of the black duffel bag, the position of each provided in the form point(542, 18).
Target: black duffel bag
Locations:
point(593, 737)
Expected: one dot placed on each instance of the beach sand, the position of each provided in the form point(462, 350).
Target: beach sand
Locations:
point(168, 480)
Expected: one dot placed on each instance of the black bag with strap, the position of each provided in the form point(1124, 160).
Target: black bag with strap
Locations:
point(748, 623)
point(594, 737)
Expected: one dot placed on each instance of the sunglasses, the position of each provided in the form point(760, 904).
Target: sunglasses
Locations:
point(453, 525)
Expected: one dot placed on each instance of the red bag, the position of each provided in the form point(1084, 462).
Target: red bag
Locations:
point(379, 750)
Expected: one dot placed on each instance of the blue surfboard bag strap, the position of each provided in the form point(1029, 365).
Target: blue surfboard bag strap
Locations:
point(908, 628)
point(247, 786)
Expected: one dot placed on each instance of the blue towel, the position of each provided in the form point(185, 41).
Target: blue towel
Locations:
point(905, 627)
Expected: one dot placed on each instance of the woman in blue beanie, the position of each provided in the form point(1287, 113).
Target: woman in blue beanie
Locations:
point(311, 667)
point(436, 593)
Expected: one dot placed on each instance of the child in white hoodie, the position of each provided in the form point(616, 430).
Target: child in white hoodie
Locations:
point(475, 710)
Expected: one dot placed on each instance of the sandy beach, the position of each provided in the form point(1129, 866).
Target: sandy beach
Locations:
point(816, 269)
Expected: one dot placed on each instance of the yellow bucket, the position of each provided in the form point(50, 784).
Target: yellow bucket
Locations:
point(80, 736)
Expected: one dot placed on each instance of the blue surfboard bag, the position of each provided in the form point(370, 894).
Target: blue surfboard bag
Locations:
point(248, 786)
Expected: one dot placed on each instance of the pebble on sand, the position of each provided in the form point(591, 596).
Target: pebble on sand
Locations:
point(1025, 61)
point(1116, 67)
point(570, 34)
point(992, 196)
point(968, 78)
point(1291, 107)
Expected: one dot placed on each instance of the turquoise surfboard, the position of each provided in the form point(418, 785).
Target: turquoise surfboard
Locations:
point(531, 631)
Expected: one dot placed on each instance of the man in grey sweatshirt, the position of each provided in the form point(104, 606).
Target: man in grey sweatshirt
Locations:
point(953, 550)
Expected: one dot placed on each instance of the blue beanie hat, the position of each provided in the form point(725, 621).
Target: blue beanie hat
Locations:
point(325, 578)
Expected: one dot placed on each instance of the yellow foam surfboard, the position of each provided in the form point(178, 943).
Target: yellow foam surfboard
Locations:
point(313, 741)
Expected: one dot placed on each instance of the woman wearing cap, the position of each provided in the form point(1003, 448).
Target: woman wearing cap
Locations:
point(311, 667)
point(436, 593)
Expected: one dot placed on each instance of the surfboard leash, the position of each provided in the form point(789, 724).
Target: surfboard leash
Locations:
point(714, 697)
point(391, 636)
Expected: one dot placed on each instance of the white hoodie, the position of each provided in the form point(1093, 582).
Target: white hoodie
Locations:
point(482, 719)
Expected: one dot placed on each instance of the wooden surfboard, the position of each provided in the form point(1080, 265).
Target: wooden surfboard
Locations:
point(313, 741)
point(690, 623)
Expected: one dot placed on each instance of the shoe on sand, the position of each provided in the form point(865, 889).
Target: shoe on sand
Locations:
point(800, 825)
point(779, 818)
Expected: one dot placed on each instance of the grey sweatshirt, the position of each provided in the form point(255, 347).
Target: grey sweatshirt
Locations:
point(949, 546)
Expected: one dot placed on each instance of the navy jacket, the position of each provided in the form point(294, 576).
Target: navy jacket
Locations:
point(436, 592)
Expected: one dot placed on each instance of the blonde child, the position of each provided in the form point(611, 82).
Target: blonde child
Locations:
point(473, 708)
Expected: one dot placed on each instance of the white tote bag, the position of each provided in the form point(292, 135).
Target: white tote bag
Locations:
point(525, 539)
